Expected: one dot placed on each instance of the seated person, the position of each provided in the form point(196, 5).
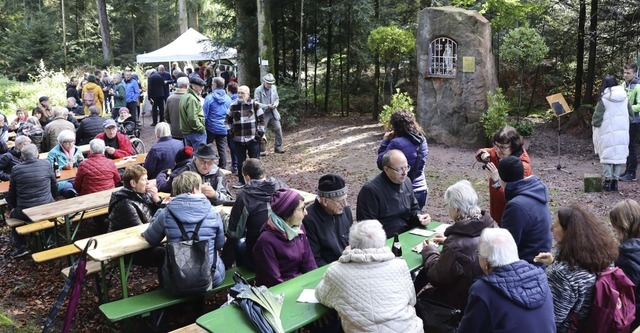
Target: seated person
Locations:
point(21, 118)
point(53, 128)
point(282, 250)
point(161, 155)
point(188, 206)
point(68, 156)
point(204, 164)
point(4, 136)
point(126, 124)
point(97, 173)
point(12, 158)
point(90, 126)
point(249, 213)
point(328, 220)
point(33, 130)
point(370, 269)
point(74, 108)
point(117, 144)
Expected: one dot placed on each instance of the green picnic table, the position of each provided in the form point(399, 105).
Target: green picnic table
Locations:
point(295, 315)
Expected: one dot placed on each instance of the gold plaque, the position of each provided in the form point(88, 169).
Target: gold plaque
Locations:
point(468, 64)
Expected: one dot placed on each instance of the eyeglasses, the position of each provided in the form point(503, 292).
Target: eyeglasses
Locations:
point(342, 202)
point(400, 170)
point(68, 142)
point(502, 148)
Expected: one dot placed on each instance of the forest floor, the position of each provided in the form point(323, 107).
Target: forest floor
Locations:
point(345, 146)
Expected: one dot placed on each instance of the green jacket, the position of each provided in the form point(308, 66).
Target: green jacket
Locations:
point(191, 113)
point(633, 94)
point(120, 96)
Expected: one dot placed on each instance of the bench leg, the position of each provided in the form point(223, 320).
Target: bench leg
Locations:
point(124, 275)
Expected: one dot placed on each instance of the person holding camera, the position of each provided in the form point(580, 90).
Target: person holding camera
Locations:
point(506, 142)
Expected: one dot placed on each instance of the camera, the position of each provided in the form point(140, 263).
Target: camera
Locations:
point(484, 165)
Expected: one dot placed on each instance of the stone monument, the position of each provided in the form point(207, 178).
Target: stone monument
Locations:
point(456, 68)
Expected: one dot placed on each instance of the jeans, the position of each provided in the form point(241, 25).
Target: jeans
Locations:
point(421, 196)
point(277, 128)
point(194, 139)
point(221, 146)
point(612, 171)
point(632, 159)
point(158, 105)
point(232, 151)
point(252, 148)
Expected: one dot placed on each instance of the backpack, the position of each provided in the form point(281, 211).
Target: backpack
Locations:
point(186, 269)
point(89, 98)
point(614, 306)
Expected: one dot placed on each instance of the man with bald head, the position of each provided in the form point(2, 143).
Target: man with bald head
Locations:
point(389, 197)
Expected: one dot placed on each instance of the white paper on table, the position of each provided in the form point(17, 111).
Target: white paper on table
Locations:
point(441, 228)
point(308, 296)
point(422, 232)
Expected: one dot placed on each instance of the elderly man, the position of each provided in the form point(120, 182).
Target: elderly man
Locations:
point(389, 197)
point(12, 158)
point(97, 173)
point(215, 110)
point(119, 92)
point(161, 156)
point(118, 144)
point(167, 79)
point(172, 110)
point(267, 96)
point(203, 163)
point(513, 297)
point(73, 107)
point(155, 89)
point(33, 183)
point(328, 220)
point(90, 126)
point(246, 120)
point(249, 213)
point(57, 125)
point(192, 116)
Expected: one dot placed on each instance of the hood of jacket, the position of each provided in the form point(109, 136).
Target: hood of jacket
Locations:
point(263, 189)
point(219, 96)
point(615, 94)
point(470, 227)
point(530, 187)
point(630, 249)
point(91, 85)
point(522, 283)
point(415, 138)
point(366, 255)
point(191, 208)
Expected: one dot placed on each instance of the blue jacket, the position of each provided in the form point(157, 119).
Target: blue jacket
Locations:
point(215, 110)
point(190, 209)
point(409, 145)
point(527, 216)
point(162, 156)
point(56, 154)
point(132, 90)
point(513, 298)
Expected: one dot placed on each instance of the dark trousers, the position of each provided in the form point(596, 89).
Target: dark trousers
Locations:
point(19, 241)
point(158, 105)
point(133, 110)
point(251, 148)
point(232, 151)
point(632, 159)
point(115, 113)
point(221, 146)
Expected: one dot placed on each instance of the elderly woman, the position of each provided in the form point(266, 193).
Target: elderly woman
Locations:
point(514, 295)
point(408, 137)
point(21, 118)
point(33, 130)
point(68, 156)
point(161, 156)
point(190, 207)
point(97, 172)
point(282, 250)
point(506, 142)
point(585, 248)
point(369, 288)
point(450, 273)
point(625, 219)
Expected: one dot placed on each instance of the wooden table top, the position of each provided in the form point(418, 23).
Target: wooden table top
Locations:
point(115, 244)
point(83, 148)
point(64, 175)
point(80, 117)
point(124, 162)
point(12, 135)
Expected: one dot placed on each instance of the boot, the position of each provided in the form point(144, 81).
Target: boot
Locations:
point(607, 185)
point(614, 185)
point(629, 177)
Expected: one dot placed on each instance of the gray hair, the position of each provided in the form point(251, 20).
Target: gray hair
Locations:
point(66, 135)
point(29, 151)
point(33, 120)
point(498, 247)
point(386, 158)
point(97, 146)
point(60, 111)
point(162, 129)
point(22, 140)
point(71, 99)
point(245, 89)
point(183, 82)
point(367, 234)
point(218, 82)
point(462, 197)
point(94, 110)
point(117, 76)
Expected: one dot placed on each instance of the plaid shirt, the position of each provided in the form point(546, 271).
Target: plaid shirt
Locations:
point(246, 120)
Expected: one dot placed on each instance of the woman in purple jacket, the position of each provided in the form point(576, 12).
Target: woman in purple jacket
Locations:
point(282, 251)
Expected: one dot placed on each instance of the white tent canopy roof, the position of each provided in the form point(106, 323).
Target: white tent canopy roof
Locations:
point(191, 45)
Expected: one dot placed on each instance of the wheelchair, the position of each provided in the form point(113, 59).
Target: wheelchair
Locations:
point(131, 130)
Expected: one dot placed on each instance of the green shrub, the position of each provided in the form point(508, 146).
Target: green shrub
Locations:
point(496, 115)
point(399, 101)
point(291, 106)
point(524, 127)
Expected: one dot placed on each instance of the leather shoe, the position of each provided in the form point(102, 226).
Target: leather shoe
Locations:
point(279, 151)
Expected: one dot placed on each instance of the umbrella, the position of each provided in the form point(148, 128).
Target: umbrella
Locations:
point(76, 277)
point(262, 306)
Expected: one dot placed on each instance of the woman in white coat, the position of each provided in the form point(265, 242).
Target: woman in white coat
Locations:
point(369, 288)
point(612, 116)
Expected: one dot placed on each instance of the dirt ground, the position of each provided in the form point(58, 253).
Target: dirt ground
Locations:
point(346, 146)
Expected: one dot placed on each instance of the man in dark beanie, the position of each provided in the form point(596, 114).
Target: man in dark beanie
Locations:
point(328, 220)
point(526, 215)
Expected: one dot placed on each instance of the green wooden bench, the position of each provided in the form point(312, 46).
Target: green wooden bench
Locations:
point(160, 299)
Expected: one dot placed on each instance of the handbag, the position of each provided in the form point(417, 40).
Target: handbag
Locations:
point(438, 317)
point(186, 269)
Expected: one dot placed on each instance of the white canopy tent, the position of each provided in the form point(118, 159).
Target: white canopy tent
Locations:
point(191, 45)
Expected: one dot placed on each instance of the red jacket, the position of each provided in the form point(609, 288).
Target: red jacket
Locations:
point(96, 173)
point(125, 148)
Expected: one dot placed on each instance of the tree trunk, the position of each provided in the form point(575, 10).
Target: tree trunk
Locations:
point(327, 80)
point(104, 30)
point(341, 81)
point(64, 35)
point(376, 71)
point(155, 24)
point(248, 68)
point(265, 38)
point(315, 61)
point(348, 69)
point(182, 16)
point(591, 66)
point(580, 55)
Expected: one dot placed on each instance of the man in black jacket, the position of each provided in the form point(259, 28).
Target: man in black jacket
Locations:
point(32, 184)
point(72, 90)
point(13, 157)
point(90, 127)
point(328, 220)
point(155, 89)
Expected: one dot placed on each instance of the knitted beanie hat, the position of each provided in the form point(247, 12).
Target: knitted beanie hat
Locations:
point(284, 201)
point(184, 154)
point(331, 186)
point(510, 169)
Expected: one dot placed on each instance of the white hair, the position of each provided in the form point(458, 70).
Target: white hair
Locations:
point(21, 140)
point(162, 129)
point(29, 151)
point(367, 234)
point(498, 247)
point(462, 197)
point(66, 135)
point(97, 146)
point(60, 111)
point(183, 82)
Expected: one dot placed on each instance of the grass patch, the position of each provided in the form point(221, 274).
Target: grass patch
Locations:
point(8, 325)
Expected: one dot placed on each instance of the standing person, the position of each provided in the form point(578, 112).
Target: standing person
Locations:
point(611, 117)
point(232, 90)
point(631, 86)
point(107, 87)
point(192, 115)
point(119, 92)
point(132, 92)
point(167, 79)
point(172, 110)
point(506, 142)
point(267, 96)
point(246, 120)
point(97, 173)
point(215, 108)
point(72, 90)
point(155, 90)
point(92, 94)
point(407, 136)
